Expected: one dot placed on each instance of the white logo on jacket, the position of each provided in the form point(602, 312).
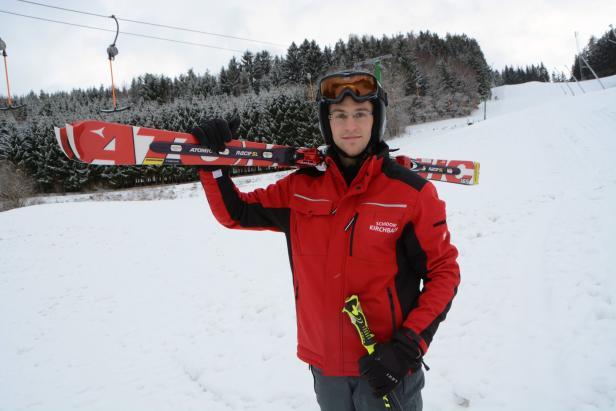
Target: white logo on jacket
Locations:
point(384, 227)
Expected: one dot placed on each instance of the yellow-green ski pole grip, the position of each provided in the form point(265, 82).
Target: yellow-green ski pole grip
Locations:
point(359, 321)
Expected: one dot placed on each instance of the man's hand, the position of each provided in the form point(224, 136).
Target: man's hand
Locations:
point(213, 134)
point(390, 363)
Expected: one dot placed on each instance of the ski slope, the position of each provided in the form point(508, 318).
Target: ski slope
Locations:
point(150, 305)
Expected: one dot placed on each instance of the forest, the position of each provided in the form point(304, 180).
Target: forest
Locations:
point(427, 78)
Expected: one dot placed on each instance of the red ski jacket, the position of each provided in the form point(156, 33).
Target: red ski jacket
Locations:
point(384, 237)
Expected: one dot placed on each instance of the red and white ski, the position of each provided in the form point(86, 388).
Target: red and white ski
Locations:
point(104, 143)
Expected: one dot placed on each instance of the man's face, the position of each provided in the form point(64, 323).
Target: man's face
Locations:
point(351, 124)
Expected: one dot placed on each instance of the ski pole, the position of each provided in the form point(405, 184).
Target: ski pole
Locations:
point(359, 321)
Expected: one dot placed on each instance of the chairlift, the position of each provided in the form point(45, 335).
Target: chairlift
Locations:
point(112, 51)
point(9, 100)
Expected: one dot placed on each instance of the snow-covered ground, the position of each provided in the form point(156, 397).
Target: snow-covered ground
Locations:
point(150, 305)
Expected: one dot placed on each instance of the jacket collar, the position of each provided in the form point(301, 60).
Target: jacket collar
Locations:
point(371, 167)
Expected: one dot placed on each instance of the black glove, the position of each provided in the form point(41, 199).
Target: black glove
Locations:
point(215, 133)
point(391, 362)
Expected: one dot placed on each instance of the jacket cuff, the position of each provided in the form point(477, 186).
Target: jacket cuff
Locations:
point(414, 338)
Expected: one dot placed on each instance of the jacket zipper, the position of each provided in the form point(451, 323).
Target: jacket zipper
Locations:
point(351, 225)
point(393, 310)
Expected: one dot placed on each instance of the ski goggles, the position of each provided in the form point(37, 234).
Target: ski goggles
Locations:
point(359, 85)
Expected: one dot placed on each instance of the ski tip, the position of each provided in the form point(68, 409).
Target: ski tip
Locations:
point(62, 139)
point(71, 144)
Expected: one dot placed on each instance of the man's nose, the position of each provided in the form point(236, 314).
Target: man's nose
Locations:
point(351, 123)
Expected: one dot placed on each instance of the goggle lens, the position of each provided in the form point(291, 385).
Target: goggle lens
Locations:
point(362, 85)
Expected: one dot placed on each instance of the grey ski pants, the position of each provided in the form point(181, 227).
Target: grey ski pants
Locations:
point(355, 394)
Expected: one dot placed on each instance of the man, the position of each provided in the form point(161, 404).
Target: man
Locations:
point(364, 225)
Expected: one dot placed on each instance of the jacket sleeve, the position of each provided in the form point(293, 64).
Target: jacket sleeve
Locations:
point(262, 209)
point(434, 259)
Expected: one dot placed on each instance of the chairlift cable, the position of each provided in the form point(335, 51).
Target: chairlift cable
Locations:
point(154, 24)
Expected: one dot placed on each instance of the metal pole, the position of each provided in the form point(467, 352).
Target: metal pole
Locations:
point(9, 100)
point(377, 70)
point(593, 72)
point(570, 89)
point(576, 81)
point(377, 65)
point(566, 83)
point(312, 97)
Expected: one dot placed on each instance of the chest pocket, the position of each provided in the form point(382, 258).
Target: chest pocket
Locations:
point(377, 229)
point(310, 224)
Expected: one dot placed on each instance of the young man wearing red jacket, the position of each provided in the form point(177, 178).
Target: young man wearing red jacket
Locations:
point(361, 225)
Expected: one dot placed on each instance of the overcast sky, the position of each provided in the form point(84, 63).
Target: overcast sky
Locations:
point(49, 56)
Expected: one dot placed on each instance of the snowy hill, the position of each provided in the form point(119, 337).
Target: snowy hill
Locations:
point(151, 305)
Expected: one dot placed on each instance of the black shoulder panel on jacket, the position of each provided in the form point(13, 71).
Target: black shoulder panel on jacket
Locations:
point(394, 170)
point(310, 171)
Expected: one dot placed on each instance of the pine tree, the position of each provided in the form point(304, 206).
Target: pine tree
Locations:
point(601, 54)
point(263, 66)
point(448, 83)
point(355, 50)
point(277, 73)
point(328, 57)
point(414, 82)
point(313, 60)
point(11, 143)
point(294, 120)
point(293, 66)
point(341, 55)
point(234, 77)
point(544, 76)
point(248, 69)
point(223, 82)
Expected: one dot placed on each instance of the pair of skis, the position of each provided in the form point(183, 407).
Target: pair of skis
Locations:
point(105, 143)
